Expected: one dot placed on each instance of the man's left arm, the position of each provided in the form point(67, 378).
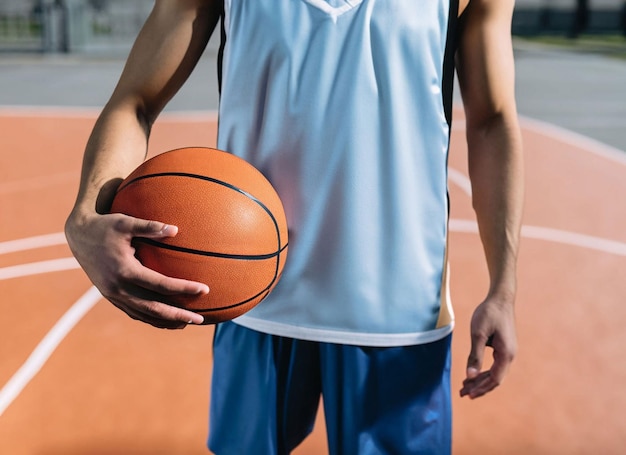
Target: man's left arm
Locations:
point(485, 70)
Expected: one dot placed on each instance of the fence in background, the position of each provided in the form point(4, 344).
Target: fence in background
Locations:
point(71, 25)
point(569, 17)
point(21, 26)
point(111, 25)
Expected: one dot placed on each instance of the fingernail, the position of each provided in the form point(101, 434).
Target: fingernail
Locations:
point(169, 230)
point(472, 372)
point(203, 290)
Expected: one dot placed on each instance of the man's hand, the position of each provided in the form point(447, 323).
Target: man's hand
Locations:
point(493, 325)
point(102, 246)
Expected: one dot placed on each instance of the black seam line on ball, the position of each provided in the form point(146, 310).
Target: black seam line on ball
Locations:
point(182, 249)
point(219, 182)
point(280, 247)
point(234, 305)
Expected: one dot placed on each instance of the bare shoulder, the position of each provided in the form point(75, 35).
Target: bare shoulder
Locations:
point(485, 8)
point(194, 7)
point(485, 65)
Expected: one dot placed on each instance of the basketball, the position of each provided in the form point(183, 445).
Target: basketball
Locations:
point(232, 229)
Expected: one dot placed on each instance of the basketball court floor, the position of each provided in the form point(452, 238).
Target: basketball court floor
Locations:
point(78, 377)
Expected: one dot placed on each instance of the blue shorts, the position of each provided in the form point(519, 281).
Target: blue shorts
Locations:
point(266, 389)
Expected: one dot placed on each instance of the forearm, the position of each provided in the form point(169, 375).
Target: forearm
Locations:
point(117, 145)
point(496, 173)
point(164, 54)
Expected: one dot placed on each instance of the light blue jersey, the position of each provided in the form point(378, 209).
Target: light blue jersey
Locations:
point(344, 105)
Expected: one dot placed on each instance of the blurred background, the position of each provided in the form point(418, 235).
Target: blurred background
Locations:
point(109, 25)
point(570, 59)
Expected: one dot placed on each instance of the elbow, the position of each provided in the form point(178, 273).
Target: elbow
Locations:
point(499, 130)
point(494, 121)
point(134, 109)
point(145, 117)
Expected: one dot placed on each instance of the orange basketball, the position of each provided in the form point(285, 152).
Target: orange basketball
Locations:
point(232, 230)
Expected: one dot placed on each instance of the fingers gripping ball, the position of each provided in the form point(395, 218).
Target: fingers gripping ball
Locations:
point(232, 230)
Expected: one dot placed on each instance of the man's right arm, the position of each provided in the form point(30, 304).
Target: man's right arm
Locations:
point(164, 54)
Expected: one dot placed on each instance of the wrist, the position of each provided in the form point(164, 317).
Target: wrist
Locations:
point(78, 218)
point(503, 292)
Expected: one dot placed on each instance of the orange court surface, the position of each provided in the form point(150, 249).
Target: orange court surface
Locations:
point(79, 377)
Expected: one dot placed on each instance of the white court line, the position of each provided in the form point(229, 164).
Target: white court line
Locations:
point(46, 347)
point(572, 238)
point(577, 140)
point(29, 243)
point(456, 225)
point(548, 129)
point(460, 180)
point(544, 233)
point(49, 111)
point(50, 342)
point(93, 112)
point(37, 268)
point(552, 235)
point(568, 137)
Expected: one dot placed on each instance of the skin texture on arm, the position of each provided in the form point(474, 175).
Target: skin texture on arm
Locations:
point(485, 69)
point(164, 54)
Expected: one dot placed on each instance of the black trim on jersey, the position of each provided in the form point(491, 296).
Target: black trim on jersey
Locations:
point(448, 60)
point(220, 53)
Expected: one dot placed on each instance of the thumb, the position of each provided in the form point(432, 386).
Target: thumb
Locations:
point(475, 359)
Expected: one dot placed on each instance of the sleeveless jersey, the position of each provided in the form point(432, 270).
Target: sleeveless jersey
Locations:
point(345, 105)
